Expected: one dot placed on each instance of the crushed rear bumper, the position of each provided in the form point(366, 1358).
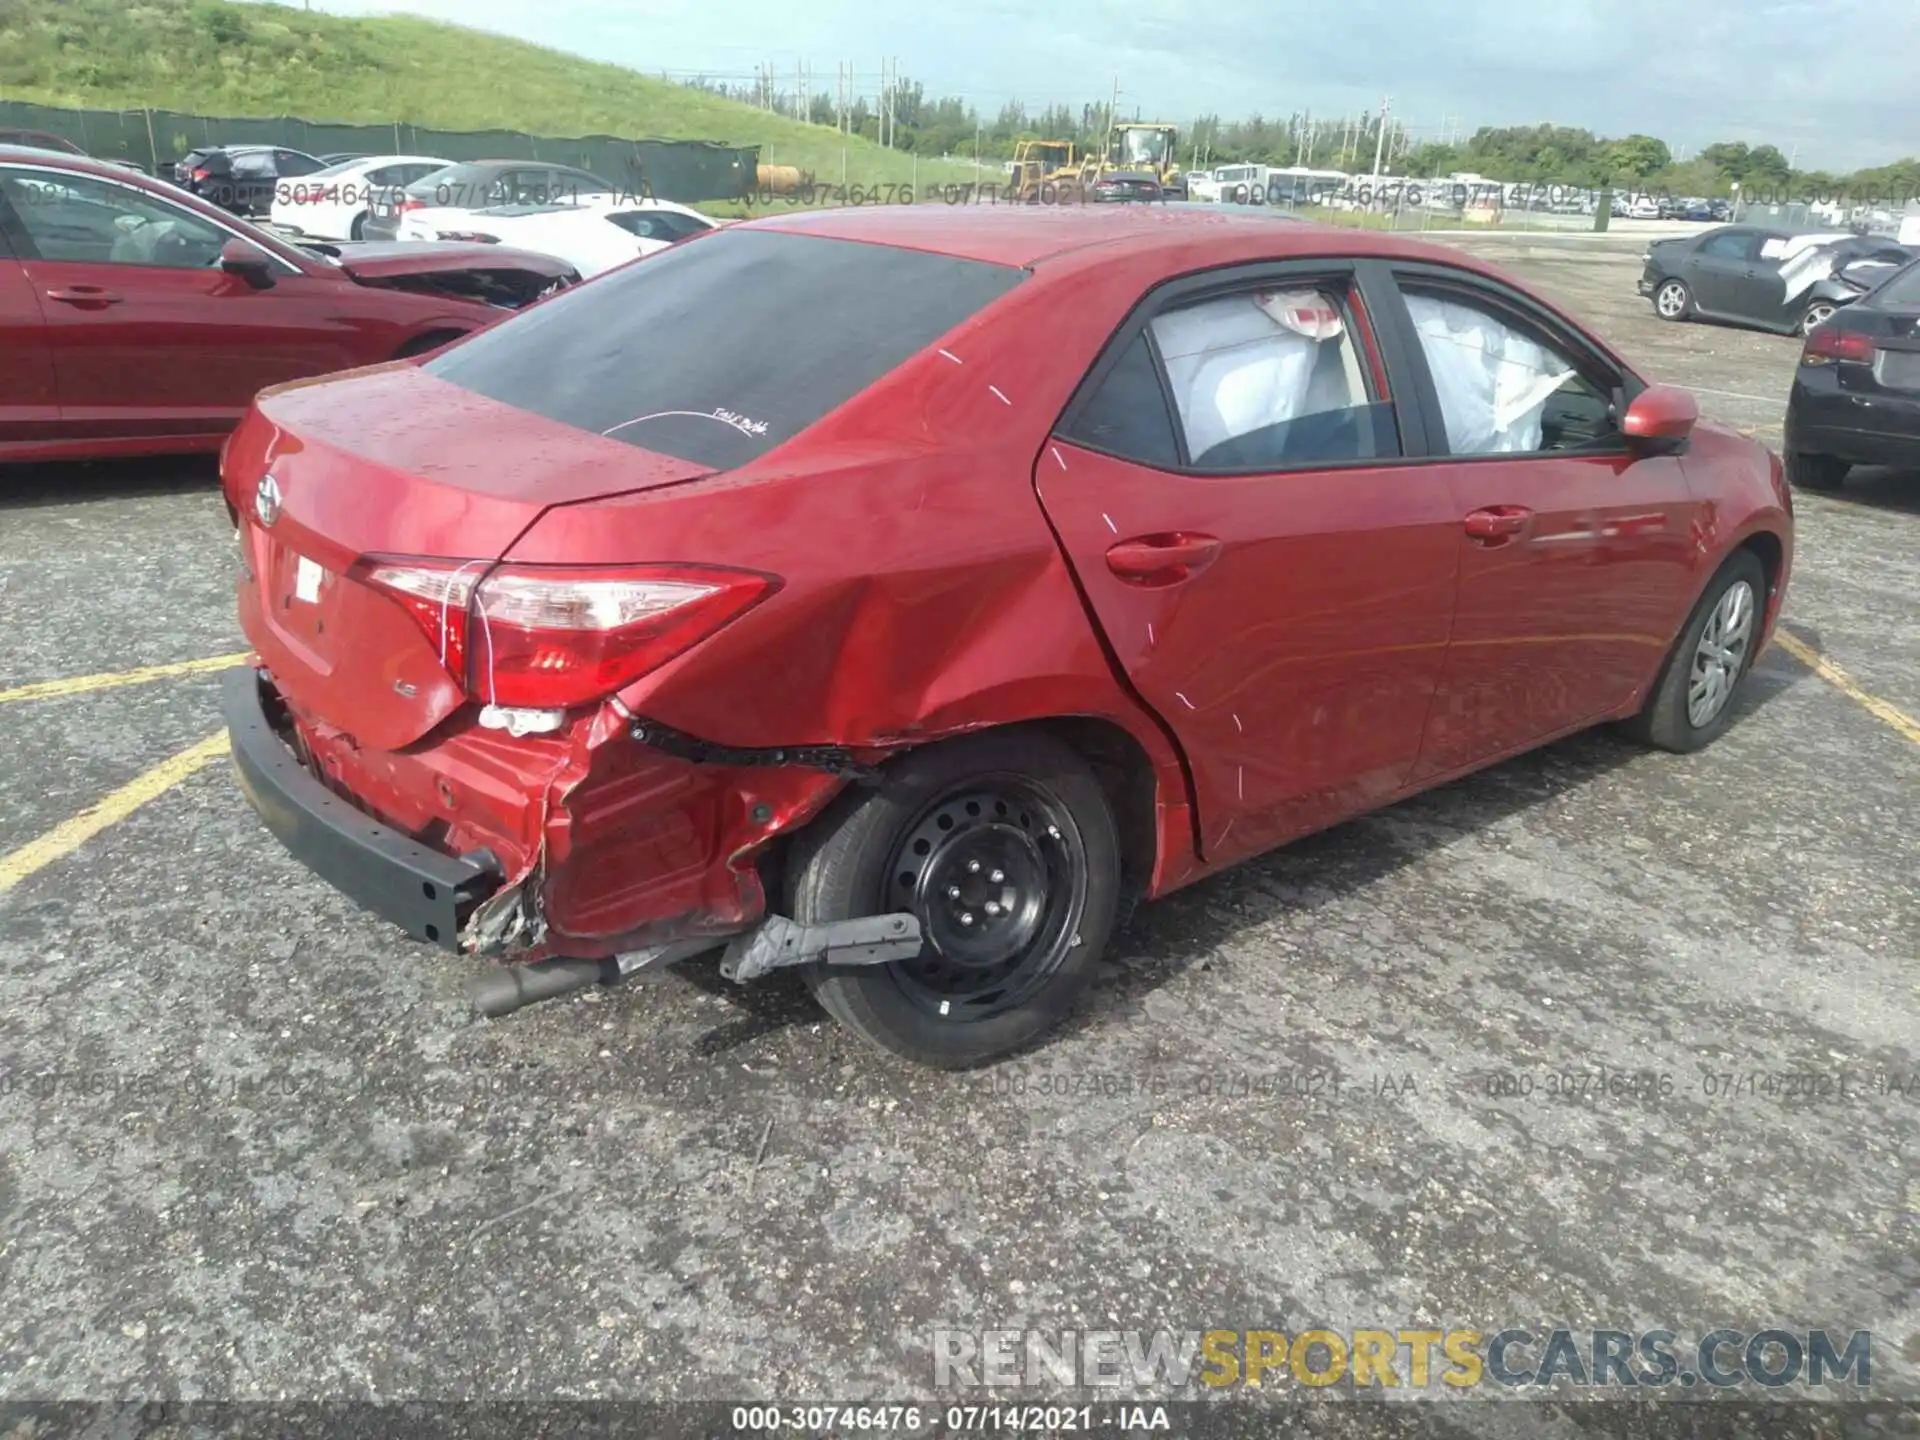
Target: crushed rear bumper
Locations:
point(427, 894)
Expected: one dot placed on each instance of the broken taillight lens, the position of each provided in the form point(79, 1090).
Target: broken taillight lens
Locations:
point(546, 637)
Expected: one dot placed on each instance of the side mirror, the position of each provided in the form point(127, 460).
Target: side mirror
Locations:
point(1660, 419)
point(248, 262)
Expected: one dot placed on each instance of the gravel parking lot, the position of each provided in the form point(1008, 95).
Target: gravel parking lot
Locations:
point(254, 1146)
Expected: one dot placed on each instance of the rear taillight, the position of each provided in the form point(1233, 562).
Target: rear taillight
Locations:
point(1827, 345)
point(202, 174)
point(546, 637)
point(409, 205)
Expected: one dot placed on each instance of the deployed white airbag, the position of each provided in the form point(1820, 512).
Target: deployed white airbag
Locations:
point(1243, 363)
point(1492, 380)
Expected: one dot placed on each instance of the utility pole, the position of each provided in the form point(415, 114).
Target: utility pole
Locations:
point(1380, 145)
point(1113, 112)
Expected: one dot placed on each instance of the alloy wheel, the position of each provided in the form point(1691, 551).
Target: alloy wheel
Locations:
point(1672, 300)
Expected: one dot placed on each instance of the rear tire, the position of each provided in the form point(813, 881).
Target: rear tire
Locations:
point(1692, 701)
point(1818, 313)
point(1673, 301)
point(358, 230)
point(945, 821)
point(1816, 472)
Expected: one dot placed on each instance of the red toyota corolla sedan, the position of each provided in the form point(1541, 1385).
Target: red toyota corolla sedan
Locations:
point(138, 319)
point(898, 593)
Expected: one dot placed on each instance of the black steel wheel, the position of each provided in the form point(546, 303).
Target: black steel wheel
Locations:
point(1004, 847)
point(996, 871)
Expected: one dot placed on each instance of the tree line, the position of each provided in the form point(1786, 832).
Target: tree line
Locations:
point(1555, 154)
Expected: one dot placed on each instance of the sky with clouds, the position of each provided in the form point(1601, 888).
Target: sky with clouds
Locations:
point(1835, 78)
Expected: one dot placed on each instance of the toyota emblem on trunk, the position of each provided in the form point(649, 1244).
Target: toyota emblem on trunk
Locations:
point(266, 500)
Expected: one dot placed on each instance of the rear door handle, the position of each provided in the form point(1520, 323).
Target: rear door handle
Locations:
point(84, 295)
point(1165, 559)
point(1497, 524)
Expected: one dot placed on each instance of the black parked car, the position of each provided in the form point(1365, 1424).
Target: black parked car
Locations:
point(1127, 185)
point(1856, 395)
point(482, 184)
point(242, 178)
point(1769, 279)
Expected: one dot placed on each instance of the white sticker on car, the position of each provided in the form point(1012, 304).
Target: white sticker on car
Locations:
point(306, 581)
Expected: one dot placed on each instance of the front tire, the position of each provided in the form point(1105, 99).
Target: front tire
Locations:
point(1005, 848)
point(1816, 472)
point(1673, 300)
point(1692, 701)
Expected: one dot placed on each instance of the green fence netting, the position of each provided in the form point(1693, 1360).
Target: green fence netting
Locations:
point(683, 170)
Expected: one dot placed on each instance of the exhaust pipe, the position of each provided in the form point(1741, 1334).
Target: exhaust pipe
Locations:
point(508, 988)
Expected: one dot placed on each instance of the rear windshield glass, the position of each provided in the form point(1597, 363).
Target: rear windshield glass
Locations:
point(719, 349)
point(1900, 289)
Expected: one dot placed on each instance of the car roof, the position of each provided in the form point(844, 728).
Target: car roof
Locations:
point(61, 143)
point(1028, 236)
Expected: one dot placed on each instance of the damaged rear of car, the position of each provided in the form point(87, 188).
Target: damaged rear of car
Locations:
point(596, 640)
point(499, 276)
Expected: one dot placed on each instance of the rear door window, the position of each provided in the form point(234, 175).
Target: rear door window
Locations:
point(1730, 245)
point(717, 352)
point(1270, 379)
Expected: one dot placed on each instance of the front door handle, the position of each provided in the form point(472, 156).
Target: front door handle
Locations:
point(1497, 524)
point(85, 296)
point(1165, 559)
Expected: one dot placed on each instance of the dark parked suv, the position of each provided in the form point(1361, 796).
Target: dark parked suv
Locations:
point(478, 184)
point(241, 178)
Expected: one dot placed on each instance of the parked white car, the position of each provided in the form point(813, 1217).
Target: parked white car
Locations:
point(1643, 207)
point(331, 204)
point(594, 235)
point(1202, 185)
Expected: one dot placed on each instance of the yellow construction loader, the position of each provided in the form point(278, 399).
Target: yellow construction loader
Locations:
point(1040, 167)
point(1138, 148)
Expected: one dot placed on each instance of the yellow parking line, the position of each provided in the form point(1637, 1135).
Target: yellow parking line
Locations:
point(1831, 673)
point(70, 835)
point(81, 684)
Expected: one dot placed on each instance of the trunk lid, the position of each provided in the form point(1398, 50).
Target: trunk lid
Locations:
point(392, 462)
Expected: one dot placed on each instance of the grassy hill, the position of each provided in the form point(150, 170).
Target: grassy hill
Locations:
point(210, 57)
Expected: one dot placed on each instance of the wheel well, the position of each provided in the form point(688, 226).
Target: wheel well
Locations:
point(421, 344)
point(1766, 546)
point(1126, 774)
point(1118, 760)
